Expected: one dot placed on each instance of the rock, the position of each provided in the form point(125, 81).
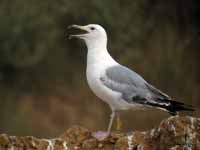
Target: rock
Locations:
point(4, 140)
point(76, 135)
point(174, 133)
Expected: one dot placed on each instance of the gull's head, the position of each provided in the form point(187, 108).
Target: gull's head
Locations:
point(94, 35)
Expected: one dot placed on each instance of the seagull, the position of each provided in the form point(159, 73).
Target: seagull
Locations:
point(120, 87)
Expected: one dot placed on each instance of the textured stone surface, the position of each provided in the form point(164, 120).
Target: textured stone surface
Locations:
point(174, 133)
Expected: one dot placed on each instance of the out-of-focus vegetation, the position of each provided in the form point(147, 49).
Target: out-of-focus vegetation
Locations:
point(43, 89)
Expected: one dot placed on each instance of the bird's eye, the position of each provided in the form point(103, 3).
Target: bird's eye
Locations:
point(92, 28)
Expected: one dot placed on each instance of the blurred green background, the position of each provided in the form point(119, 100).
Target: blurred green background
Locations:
point(43, 89)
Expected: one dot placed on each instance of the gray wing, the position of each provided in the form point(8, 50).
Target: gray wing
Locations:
point(131, 85)
point(157, 92)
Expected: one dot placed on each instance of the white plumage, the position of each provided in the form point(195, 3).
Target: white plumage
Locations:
point(115, 84)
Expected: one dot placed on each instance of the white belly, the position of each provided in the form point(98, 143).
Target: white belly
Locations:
point(100, 90)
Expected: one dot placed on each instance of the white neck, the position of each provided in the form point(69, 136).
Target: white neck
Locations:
point(99, 56)
point(96, 43)
point(97, 52)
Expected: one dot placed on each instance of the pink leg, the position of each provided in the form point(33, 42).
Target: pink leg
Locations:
point(101, 135)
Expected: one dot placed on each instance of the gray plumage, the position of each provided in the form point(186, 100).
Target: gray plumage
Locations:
point(134, 89)
point(131, 85)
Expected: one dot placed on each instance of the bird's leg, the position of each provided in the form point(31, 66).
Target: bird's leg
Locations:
point(102, 135)
point(119, 121)
point(112, 116)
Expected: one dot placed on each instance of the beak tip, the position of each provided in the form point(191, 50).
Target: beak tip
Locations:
point(69, 27)
point(69, 37)
point(72, 26)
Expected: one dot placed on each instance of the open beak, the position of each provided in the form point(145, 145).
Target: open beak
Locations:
point(80, 28)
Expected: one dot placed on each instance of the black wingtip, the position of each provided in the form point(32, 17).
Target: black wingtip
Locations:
point(175, 107)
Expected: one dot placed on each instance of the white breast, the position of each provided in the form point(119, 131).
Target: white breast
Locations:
point(95, 69)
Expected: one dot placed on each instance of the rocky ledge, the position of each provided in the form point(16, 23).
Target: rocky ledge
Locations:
point(174, 133)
